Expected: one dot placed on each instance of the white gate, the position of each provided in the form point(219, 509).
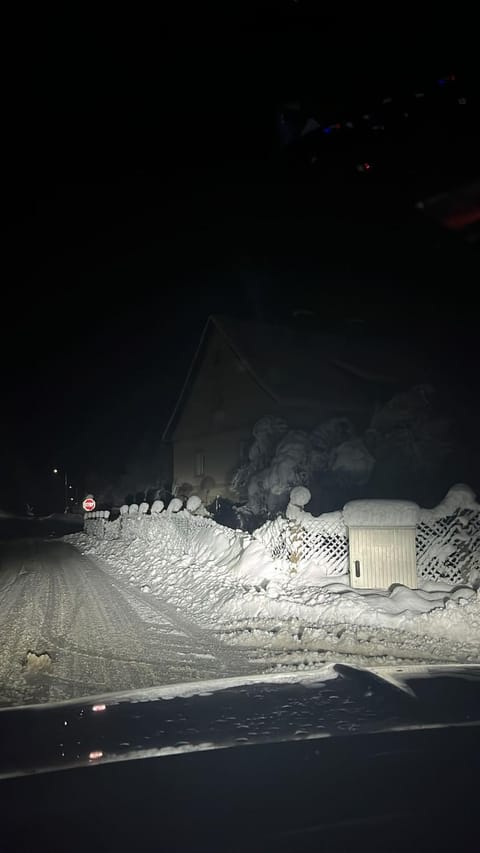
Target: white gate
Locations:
point(382, 543)
point(382, 556)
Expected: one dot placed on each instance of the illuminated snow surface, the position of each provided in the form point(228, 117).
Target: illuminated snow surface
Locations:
point(134, 613)
point(294, 620)
point(69, 629)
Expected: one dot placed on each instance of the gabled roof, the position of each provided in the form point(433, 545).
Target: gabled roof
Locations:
point(296, 366)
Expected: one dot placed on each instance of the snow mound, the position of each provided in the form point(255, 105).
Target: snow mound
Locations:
point(255, 564)
point(213, 545)
point(459, 497)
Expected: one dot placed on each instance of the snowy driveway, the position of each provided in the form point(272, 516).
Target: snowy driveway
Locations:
point(99, 634)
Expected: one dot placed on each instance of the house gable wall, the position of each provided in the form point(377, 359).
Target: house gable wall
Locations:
point(221, 406)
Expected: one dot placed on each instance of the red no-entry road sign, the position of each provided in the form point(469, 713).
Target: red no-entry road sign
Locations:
point(89, 504)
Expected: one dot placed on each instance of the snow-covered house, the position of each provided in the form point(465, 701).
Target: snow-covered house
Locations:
point(243, 371)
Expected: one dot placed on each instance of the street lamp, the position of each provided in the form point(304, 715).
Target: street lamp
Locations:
point(66, 487)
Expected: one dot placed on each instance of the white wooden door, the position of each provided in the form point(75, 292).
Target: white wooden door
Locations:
point(381, 556)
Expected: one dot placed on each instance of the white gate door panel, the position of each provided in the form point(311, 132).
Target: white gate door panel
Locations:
point(382, 556)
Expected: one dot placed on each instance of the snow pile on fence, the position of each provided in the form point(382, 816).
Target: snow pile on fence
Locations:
point(178, 535)
point(302, 541)
point(448, 538)
point(287, 585)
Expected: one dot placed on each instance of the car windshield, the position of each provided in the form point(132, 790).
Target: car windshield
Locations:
point(239, 404)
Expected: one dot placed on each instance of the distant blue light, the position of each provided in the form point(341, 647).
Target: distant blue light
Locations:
point(327, 129)
point(441, 82)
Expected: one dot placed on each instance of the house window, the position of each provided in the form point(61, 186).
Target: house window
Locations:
point(200, 464)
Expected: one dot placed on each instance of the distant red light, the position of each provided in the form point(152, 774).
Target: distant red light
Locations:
point(363, 167)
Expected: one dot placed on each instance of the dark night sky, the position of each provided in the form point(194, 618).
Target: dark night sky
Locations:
point(143, 190)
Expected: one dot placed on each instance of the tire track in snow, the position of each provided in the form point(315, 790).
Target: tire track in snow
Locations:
point(21, 613)
point(101, 635)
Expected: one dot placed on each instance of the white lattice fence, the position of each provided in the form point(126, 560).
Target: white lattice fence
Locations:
point(326, 542)
point(448, 547)
point(447, 539)
point(323, 539)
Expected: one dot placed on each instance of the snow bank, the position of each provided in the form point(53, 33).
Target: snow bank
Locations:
point(459, 497)
point(233, 583)
point(286, 587)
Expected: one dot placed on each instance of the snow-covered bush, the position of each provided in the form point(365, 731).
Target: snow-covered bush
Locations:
point(133, 509)
point(143, 508)
point(157, 507)
point(300, 496)
point(403, 451)
point(124, 509)
point(268, 489)
point(326, 437)
point(289, 468)
point(352, 458)
point(266, 434)
point(281, 459)
point(175, 505)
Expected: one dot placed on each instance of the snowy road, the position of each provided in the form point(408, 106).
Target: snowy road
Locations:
point(100, 635)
